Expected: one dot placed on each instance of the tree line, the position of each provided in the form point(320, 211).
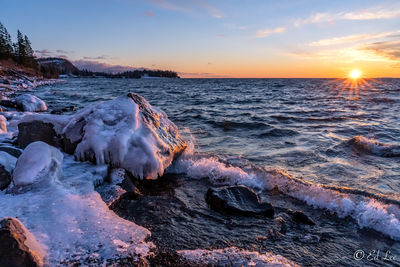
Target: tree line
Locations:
point(133, 74)
point(21, 51)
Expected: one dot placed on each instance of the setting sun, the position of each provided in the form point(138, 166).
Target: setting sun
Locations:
point(355, 74)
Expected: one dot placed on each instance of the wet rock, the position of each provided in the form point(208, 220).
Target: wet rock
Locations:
point(37, 130)
point(299, 217)
point(8, 103)
point(18, 246)
point(13, 151)
point(239, 200)
point(5, 177)
point(28, 102)
point(7, 164)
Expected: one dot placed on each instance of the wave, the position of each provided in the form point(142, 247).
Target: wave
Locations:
point(368, 210)
point(233, 256)
point(277, 132)
point(374, 147)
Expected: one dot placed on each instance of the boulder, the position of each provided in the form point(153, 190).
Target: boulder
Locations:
point(126, 132)
point(28, 102)
point(37, 130)
point(7, 164)
point(299, 217)
point(239, 200)
point(18, 247)
point(39, 163)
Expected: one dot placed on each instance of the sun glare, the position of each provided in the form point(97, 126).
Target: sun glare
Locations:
point(355, 74)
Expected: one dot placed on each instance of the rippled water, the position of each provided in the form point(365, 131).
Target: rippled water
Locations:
point(318, 130)
point(302, 126)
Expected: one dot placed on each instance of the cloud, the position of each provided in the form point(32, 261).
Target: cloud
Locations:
point(201, 75)
point(366, 14)
point(49, 53)
point(100, 66)
point(386, 49)
point(352, 38)
point(221, 35)
point(149, 14)
point(188, 6)
point(267, 32)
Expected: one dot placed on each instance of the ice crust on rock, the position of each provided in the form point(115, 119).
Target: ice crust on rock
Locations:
point(28, 102)
point(72, 223)
point(38, 163)
point(125, 132)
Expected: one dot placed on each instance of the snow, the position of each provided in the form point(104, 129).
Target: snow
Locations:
point(233, 256)
point(28, 102)
point(71, 221)
point(125, 132)
point(38, 163)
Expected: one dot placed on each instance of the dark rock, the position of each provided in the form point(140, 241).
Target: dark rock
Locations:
point(5, 178)
point(18, 247)
point(299, 217)
point(37, 130)
point(13, 151)
point(237, 200)
point(8, 103)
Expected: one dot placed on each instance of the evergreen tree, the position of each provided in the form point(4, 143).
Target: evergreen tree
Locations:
point(28, 47)
point(20, 52)
point(6, 48)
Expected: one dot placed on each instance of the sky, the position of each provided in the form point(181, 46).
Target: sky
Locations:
point(226, 38)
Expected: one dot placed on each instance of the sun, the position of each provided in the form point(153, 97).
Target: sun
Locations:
point(355, 74)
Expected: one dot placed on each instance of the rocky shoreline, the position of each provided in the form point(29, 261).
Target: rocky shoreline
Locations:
point(46, 165)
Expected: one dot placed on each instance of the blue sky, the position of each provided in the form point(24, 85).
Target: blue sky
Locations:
point(205, 38)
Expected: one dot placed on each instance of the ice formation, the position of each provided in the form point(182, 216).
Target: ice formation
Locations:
point(71, 221)
point(28, 102)
point(233, 256)
point(125, 132)
point(38, 163)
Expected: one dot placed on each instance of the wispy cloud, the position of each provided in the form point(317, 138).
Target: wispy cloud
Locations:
point(221, 35)
point(94, 65)
point(189, 6)
point(267, 32)
point(149, 14)
point(50, 53)
point(365, 14)
point(387, 49)
point(352, 38)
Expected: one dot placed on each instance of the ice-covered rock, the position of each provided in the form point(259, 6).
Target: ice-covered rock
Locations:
point(18, 247)
point(28, 102)
point(125, 132)
point(38, 163)
point(3, 124)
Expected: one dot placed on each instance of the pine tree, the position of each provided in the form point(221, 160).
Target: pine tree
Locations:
point(20, 48)
point(28, 47)
point(6, 48)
